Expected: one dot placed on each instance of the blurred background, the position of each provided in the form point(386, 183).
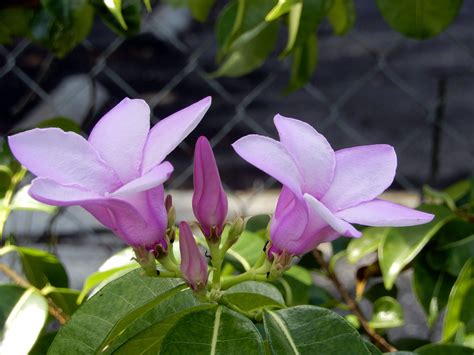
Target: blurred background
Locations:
point(372, 85)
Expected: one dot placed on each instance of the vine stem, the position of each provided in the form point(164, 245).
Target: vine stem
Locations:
point(376, 338)
point(53, 308)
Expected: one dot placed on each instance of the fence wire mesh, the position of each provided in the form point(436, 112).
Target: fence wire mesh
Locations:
point(371, 86)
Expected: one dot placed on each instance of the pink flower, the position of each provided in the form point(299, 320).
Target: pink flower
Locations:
point(193, 263)
point(209, 198)
point(117, 174)
point(324, 191)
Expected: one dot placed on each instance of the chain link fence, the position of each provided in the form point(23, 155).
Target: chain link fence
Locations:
point(371, 86)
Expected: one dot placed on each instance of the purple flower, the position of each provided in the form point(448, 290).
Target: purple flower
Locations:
point(324, 191)
point(193, 263)
point(117, 174)
point(209, 198)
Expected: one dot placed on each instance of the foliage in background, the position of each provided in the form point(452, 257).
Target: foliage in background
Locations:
point(247, 31)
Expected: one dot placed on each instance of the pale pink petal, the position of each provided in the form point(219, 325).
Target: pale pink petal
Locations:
point(120, 137)
point(64, 157)
point(311, 152)
point(385, 214)
point(336, 223)
point(271, 157)
point(362, 173)
point(156, 176)
point(167, 134)
point(50, 192)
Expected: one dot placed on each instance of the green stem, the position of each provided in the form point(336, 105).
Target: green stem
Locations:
point(5, 209)
point(169, 265)
point(250, 275)
point(216, 260)
point(169, 274)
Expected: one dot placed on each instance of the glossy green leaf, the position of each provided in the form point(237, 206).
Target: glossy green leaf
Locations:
point(93, 321)
point(215, 330)
point(251, 296)
point(419, 18)
point(443, 349)
point(40, 267)
point(281, 8)
point(22, 201)
point(460, 309)
point(304, 61)
point(373, 350)
point(9, 296)
point(368, 243)
point(24, 323)
point(311, 330)
point(42, 344)
point(200, 8)
point(295, 285)
point(342, 16)
point(249, 50)
point(431, 288)
point(130, 12)
point(401, 245)
point(387, 313)
point(64, 123)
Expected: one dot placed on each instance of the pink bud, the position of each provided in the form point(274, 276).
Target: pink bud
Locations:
point(209, 198)
point(193, 263)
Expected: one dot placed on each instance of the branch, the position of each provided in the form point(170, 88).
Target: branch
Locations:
point(376, 338)
point(53, 308)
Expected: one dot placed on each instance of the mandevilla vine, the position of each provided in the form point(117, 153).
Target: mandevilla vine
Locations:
point(118, 174)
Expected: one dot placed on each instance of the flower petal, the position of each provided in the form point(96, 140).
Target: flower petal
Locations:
point(336, 223)
point(385, 214)
point(271, 157)
point(120, 137)
point(156, 176)
point(362, 173)
point(64, 157)
point(167, 134)
point(311, 152)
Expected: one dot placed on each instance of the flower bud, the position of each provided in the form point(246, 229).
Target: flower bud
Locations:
point(236, 229)
point(193, 263)
point(209, 198)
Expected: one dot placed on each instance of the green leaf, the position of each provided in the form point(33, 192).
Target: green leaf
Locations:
point(64, 298)
point(281, 8)
point(24, 323)
point(93, 321)
point(443, 349)
point(373, 350)
point(14, 22)
point(9, 294)
point(419, 19)
point(458, 190)
point(318, 296)
point(436, 196)
point(216, 330)
point(40, 267)
point(249, 50)
point(378, 290)
point(311, 330)
point(64, 123)
point(115, 8)
point(401, 245)
point(342, 16)
point(200, 8)
point(304, 63)
point(460, 309)
point(387, 313)
point(295, 285)
point(368, 243)
point(251, 296)
point(130, 12)
point(42, 344)
point(24, 202)
point(431, 288)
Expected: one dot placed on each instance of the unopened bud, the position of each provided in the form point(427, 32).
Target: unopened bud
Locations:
point(236, 229)
point(146, 259)
point(171, 217)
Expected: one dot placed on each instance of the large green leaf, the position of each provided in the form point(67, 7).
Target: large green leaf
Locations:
point(311, 330)
point(295, 285)
point(401, 245)
point(304, 61)
point(419, 18)
point(251, 296)
point(460, 309)
point(93, 321)
point(342, 16)
point(215, 330)
point(387, 313)
point(24, 323)
point(443, 349)
point(9, 296)
point(40, 267)
point(368, 243)
point(431, 288)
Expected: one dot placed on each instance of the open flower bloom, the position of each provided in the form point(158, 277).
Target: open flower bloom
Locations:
point(209, 198)
point(324, 191)
point(117, 174)
point(193, 263)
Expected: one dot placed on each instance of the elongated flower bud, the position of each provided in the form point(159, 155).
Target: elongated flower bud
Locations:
point(193, 263)
point(209, 198)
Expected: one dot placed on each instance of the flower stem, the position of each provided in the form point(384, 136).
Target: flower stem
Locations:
point(216, 260)
point(380, 341)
